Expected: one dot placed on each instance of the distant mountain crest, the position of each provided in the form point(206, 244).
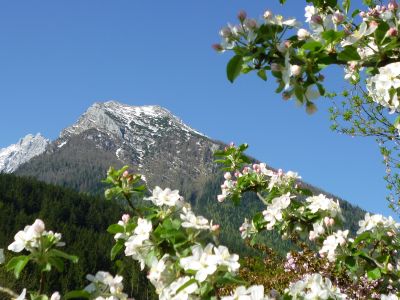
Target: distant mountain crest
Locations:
point(28, 147)
point(112, 117)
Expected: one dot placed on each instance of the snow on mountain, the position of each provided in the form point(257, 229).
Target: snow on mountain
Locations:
point(134, 129)
point(14, 155)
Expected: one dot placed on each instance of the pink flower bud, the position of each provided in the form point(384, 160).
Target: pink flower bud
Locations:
point(362, 14)
point(310, 108)
point(38, 226)
point(373, 24)
point(242, 15)
point(288, 44)
point(256, 168)
point(316, 19)
point(275, 67)
point(215, 227)
point(392, 32)
point(393, 5)
point(338, 17)
point(225, 32)
point(228, 176)
point(390, 233)
point(221, 198)
point(250, 23)
point(126, 218)
point(286, 96)
point(296, 70)
point(390, 267)
point(218, 47)
point(267, 14)
point(125, 174)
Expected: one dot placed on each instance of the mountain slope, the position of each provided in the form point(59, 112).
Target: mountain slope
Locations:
point(148, 138)
point(28, 147)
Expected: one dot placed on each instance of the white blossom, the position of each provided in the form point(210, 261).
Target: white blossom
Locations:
point(255, 292)
point(322, 203)
point(273, 213)
point(103, 284)
point(159, 274)
point(314, 287)
point(190, 220)
point(357, 35)
point(383, 86)
point(231, 261)
point(330, 244)
point(389, 297)
point(139, 244)
point(310, 11)
point(166, 197)
point(55, 296)
point(376, 222)
point(29, 238)
point(22, 295)
point(247, 229)
point(203, 261)
point(303, 34)
point(170, 292)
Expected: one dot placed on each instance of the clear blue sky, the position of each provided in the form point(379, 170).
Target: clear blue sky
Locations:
point(58, 57)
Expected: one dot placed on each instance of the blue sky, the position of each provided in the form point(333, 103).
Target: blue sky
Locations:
point(58, 57)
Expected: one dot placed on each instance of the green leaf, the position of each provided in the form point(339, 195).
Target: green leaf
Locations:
point(355, 13)
point(380, 32)
point(299, 92)
point(17, 264)
point(76, 294)
point(332, 36)
point(57, 263)
point(346, 5)
point(312, 46)
point(349, 53)
point(115, 228)
point(58, 253)
point(116, 249)
point(234, 67)
point(374, 274)
point(185, 285)
point(262, 74)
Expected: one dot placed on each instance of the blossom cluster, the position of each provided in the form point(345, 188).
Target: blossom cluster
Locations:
point(375, 223)
point(314, 287)
point(30, 238)
point(104, 286)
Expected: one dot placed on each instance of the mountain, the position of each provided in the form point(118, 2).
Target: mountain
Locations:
point(149, 138)
point(28, 147)
point(157, 144)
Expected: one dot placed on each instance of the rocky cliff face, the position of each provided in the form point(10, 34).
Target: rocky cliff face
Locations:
point(26, 148)
point(149, 138)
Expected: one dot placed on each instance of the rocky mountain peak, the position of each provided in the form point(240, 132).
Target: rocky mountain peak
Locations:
point(115, 118)
point(26, 148)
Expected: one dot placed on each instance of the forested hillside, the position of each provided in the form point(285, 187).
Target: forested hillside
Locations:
point(83, 220)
